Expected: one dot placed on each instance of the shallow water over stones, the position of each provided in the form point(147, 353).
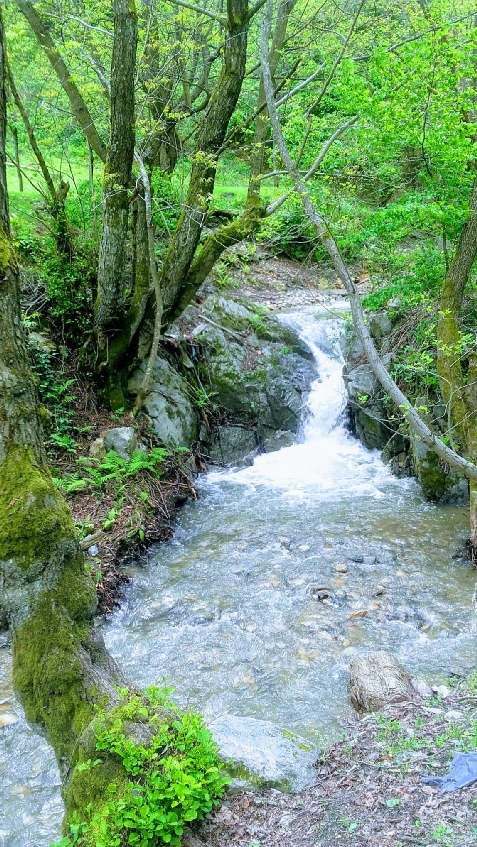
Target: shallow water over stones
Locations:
point(275, 579)
point(249, 609)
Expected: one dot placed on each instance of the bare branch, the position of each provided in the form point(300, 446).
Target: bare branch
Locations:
point(316, 164)
point(300, 86)
point(221, 19)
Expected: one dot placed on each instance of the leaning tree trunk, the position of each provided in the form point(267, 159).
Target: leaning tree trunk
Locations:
point(417, 425)
point(61, 669)
point(112, 252)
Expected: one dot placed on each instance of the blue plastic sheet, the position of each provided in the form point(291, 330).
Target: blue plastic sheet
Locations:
point(463, 771)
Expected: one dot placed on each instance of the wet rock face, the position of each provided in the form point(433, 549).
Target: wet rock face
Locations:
point(263, 755)
point(378, 680)
point(439, 483)
point(369, 420)
point(234, 445)
point(168, 403)
point(367, 408)
point(258, 370)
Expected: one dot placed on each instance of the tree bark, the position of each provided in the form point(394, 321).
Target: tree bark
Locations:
point(211, 133)
point(60, 666)
point(109, 309)
point(77, 103)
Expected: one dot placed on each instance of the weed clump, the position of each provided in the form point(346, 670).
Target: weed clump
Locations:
point(167, 774)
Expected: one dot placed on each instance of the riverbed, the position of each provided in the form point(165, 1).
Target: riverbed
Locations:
point(275, 579)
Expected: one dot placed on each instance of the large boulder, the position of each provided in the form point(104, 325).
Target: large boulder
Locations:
point(439, 482)
point(167, 403)
point(263, 755)
point(259, 381)
point(121, 439)
point(233, 445)
point(378, 680)
point(364, 392)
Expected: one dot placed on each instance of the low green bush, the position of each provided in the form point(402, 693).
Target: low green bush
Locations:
point(172, 774)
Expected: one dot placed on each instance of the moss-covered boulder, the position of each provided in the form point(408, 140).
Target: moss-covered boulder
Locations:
point(255, 368)
point(262, 754)
point(439, 482)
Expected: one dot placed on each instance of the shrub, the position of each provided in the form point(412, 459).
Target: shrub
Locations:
point(172, 774)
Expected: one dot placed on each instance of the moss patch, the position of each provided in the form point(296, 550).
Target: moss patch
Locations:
point(33, 515)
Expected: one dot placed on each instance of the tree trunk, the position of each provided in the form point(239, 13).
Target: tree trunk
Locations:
point(60, 666)
point(16, 154)
point(110, 301)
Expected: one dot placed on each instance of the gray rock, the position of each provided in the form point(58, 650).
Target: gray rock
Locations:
point(229, 313)
point(41, 342)
point(167, 403)
point(352, 346)
point(379, 325)
point(233, 445)
point(263, 755)
point(272, 392)
point(97, 450)
point(361, 382)
point(278, 440)
point(121, 439)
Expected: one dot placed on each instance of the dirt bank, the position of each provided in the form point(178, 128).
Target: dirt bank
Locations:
point(368, 790)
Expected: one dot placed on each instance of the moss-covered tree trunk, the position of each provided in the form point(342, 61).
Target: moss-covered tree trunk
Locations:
point(117, 175)
point(458, 383)
point(60, 666)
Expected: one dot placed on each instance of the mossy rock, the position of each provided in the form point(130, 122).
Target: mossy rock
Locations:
point(439, 483)
point(263, 755)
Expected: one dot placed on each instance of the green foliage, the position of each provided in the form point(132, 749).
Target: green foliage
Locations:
point(410, 278)
point(166, 203)
point(69, 287)
point(55, 390)
point(173, 774)
point(113, 469)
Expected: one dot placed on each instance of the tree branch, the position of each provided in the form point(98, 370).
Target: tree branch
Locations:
point(221, 19)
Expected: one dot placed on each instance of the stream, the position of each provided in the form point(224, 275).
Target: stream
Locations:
point(276, 577)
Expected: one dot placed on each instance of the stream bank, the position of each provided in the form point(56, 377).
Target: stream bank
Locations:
point(368, 790)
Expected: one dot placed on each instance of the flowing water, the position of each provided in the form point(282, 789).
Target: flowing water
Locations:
point(229, 611)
